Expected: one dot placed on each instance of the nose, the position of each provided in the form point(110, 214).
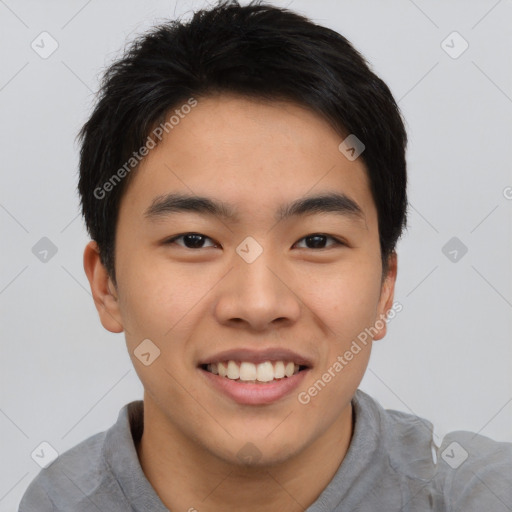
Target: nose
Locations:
point(258, 295)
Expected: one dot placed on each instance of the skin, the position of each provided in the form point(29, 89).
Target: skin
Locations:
point(193, 302)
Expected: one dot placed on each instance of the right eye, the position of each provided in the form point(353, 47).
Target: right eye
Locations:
point(190, 240)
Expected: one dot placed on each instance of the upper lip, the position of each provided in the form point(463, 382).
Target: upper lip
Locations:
point(257, 356)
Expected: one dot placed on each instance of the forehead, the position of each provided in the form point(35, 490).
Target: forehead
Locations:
point(251, 153)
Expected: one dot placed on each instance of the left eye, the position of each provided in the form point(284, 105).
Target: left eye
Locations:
point(317, 241)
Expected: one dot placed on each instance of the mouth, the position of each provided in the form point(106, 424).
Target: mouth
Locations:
point(255, 377)
point(254, 373)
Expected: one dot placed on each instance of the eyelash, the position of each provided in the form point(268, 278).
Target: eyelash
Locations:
point(337, 242)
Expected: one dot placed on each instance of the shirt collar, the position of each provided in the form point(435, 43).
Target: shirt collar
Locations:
point(120, 455)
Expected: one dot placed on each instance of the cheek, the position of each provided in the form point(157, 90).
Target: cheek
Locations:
point(163, 302)
point(159, 306)
point(347, 300)
point(154, 294)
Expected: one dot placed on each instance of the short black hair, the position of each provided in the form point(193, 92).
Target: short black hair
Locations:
point(258, 51)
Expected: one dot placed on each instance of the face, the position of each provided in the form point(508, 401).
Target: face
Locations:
point(258, 280)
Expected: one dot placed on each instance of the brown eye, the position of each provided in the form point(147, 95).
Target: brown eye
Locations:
point(191, 240)
point(318, 241)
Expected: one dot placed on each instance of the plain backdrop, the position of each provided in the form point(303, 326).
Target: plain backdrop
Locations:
point(448, 354)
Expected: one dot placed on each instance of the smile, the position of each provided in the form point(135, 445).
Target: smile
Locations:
point(251, 373)
point(251, 376)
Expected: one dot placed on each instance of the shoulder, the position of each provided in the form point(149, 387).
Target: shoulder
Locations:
point(81, 479)
point(463, 471)
point(476, 472)
point(68, 479)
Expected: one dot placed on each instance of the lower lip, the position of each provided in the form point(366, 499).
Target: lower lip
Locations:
point(255, 394)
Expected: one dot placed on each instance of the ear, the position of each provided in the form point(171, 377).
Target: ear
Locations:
point(103, 289)
point(387, 294)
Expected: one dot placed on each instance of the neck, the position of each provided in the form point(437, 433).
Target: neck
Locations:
point(188, 477)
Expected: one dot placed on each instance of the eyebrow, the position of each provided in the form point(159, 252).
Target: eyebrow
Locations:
point(332, 202)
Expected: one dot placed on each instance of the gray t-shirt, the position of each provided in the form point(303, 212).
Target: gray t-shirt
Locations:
point(392, 464)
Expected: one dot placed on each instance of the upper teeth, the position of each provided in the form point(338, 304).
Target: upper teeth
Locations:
point(246, 371)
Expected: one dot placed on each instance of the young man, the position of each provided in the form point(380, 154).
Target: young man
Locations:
point(243, 180)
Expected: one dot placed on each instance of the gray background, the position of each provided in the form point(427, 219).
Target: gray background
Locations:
point(447, 356)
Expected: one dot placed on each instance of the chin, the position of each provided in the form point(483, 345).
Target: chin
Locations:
point(261, 453)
